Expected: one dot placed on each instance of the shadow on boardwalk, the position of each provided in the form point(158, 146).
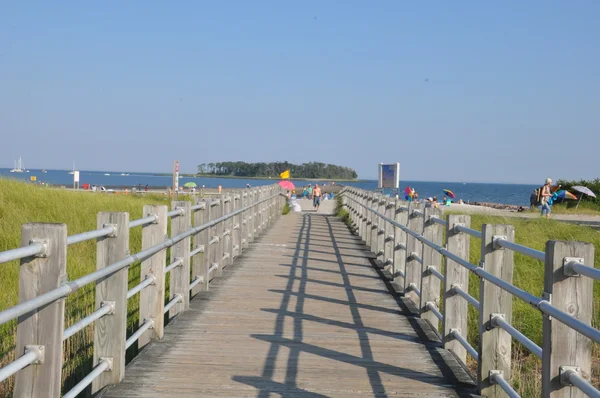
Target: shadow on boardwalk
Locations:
point(336, 328)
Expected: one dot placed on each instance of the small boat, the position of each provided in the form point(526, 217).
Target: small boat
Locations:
point(124, 174)
point(106, 174)
point(44, 171)
point(19, 166)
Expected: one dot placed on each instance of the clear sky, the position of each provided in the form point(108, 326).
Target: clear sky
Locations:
point(503, 91)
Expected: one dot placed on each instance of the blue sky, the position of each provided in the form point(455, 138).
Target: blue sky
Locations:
point(455, 91)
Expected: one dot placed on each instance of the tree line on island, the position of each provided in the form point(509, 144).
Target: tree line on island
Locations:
point(273, 169)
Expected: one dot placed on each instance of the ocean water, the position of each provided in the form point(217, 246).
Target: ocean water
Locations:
point(515, 194)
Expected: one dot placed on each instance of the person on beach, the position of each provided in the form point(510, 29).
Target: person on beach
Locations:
point(309, 192)
point(545, 195)
point(317, 197)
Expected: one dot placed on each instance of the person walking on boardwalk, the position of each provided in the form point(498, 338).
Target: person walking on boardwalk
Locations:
point(317, 197)
point(545, 195)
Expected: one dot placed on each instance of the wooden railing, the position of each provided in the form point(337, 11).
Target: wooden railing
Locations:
point(205, 238)
point(433, 273)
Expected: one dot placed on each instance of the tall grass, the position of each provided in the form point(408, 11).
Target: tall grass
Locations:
point(23, 203)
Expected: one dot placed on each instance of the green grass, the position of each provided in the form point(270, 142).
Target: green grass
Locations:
point(23, 203)
point(286, 209)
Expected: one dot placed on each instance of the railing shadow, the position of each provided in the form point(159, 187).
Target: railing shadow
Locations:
point(298, 273)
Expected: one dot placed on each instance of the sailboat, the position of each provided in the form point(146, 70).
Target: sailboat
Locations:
point(18, 166)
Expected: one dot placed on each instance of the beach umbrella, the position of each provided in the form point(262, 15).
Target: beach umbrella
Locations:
point(190, 184)
point(449, 193)
point(287, 184)
point(583, 191)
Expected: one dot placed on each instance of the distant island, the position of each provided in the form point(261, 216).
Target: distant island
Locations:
point(310, 170)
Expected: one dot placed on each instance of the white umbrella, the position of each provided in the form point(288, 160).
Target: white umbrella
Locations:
point(583, 191)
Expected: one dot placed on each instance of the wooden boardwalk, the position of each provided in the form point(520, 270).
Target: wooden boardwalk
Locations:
point(302, 313)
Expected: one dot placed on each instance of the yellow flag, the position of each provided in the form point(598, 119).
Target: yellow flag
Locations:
point(285, 174)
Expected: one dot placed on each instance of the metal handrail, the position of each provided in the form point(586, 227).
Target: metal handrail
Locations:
point(498, 321)
point(431, 307)
point(470, 299)
point(103, 366)
point(431, 270)
point(468, 231)
point(88, 320)
point(32, 249)
point(149, 280)
point(497, 378)
point(24, 360)
point(458, 337)
point(574, 268)
point(97, 233)
point(199, 249)
point(178, 261)
point(199, 279)
point(528, 251)
point(148, 324)
point(151, 219)
point(177, 298)
point(572, 377)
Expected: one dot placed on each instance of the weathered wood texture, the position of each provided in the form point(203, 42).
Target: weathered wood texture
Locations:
point(302, 314)
point(430, 284)
point(109, 331)
point(455, 275)
point(45, 326)
point(180, 275)
point(563, 346)
point(414, 250)
point(152, 302)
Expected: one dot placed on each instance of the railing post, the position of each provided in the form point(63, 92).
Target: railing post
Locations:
point(369, 223)
point(401, 217)
point(211, 257)
point(455, 275)
point(42, 330)
point(563, 347)
point(237, 224)
point(218, 232)
point(414, 251)
point(360, 196)
point(180, 276)
point(229, 227)
point(152, 298)
point(430, 284)
point(374, 231)
point(388, 251)
point(245, 201)
point(198, 262)
point(494, 343)
point(380, 231)
point(110, 330)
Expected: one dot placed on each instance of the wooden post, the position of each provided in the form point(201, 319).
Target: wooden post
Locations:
point(212, 233)
point(152, 298)
point(110, 330)
point(380, 231)
point(198, 262)
point(229, 227)
point(375, 223)
point(365, 216)
point(369, 216)
point(401, 217)
point(237, 224)
point(245, 201)
point(180, 276)
point(455, 275)
point(432, 260)
point(388, 251)
point(42, 330)
point(494, 343)
point(219, 229)
point(563, 347)
point(414, 250)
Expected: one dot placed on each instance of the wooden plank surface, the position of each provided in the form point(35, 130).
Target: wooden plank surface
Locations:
point(302, 314)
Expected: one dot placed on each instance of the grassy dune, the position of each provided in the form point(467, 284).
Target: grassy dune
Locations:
point(22, 203)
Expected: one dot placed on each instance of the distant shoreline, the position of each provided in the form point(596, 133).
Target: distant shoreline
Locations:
point(261, 178)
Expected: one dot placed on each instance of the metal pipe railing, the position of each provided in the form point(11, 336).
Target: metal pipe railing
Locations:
point(572, 377)
point(88, 320)
point(431, 270)
point(199, 279)
point(574, 268)
point(102, 367)
point(176, 212)
point(497, 378)
point(26, 251)
point(97, 233)
point(498, 321)
point(178, 261)
point(472, 351)
point(144, 221)
point(438, 220)
point(199, 249)
point(149, 280)
point(148, 324)
point(470, 299)
point(24, 360)
point(177, 298)
point(415, 289)
point(528, 251)
point(468, 231)
point(431, 307)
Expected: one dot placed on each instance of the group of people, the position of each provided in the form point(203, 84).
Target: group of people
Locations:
point(315, 194)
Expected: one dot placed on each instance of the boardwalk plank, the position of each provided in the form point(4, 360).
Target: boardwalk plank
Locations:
point(302, 313)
